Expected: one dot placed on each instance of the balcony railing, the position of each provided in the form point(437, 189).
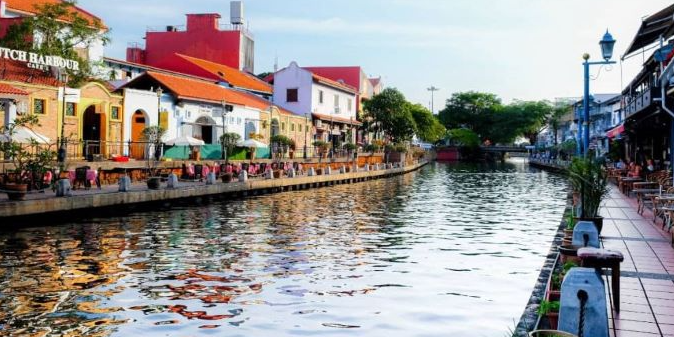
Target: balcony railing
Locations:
point(641, 102)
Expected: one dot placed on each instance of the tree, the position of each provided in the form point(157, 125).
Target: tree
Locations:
point(532, 117)
point(471, 110)
point(428, 127)
point(228, 141)
point(58, 29)
point(390, 111)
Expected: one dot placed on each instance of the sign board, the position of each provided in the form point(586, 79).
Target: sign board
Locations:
point(164, 119)
point(72, 95)
point(38, 61)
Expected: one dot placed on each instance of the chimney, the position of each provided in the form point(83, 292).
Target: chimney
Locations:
point(236, 12)
point(209, 21)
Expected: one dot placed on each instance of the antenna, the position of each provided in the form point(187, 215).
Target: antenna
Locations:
point(275, 62)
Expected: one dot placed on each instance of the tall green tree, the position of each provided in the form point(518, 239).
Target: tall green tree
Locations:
point(555, 119)
point(428, 127)
point(471, 110)
point(390, 111)
point(532, 117)
point(58, 29)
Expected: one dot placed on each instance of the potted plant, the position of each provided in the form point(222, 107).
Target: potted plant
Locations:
point(550, 309)
point(29, 167)
point(322, 147)
point(350, 149)
point(153, 135)
point(568, 231)
point(588, 177)
point(553, 291)
point(228, 143)
point(281, 144)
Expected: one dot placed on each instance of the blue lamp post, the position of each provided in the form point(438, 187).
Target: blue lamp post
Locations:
point(607, 43)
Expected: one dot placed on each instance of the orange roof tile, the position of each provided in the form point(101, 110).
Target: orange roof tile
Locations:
point(29, 7)
point(14, 71)
point(231, 75)
point(336, 119)
point(190, 88)
point(334, 84)
point(10, 90)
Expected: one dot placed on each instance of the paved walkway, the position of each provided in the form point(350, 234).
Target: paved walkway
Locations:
point(647, 274)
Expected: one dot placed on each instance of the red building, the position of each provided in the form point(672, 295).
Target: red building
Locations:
point(203, 37)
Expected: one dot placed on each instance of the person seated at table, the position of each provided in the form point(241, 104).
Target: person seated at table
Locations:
point(650, 167)
point(634, 170)
point(620, 164)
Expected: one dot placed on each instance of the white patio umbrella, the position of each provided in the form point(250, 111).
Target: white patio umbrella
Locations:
point(25, 136)
point(185, 141)
point(250, 143)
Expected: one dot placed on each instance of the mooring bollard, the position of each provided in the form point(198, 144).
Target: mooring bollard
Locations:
point(585, 234)
point(210, 178)
point(366, 167)
point(355, 168)
point(269, 174)
point(63, 188)
point(172, 181)
point(327, 171)
point(311, 172)
point(124, 183)
point(342, 169)
point(292, 173)
point(583, 304)
point(243, 176)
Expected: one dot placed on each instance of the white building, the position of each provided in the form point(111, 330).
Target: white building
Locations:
point(331, 104)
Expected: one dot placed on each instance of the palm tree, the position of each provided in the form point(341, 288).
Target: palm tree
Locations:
point(555, 119)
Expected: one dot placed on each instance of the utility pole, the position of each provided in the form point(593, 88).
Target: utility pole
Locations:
point(432, 89)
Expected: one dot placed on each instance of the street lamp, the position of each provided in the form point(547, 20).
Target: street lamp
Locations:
point(607, 43)
point(159, 92)
point(306, 126)
point(432, 89)
point(62, 151)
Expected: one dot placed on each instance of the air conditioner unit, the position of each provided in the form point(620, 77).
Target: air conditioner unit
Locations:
point(336, 109)
point(319, 123)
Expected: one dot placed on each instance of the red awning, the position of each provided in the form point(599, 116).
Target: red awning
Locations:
point(615, 131)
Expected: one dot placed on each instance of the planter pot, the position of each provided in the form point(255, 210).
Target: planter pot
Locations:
point(16, 192)
point(550, 333)
point(567, 241)
point(598, 222)
point(319, 172)
point(226, 177)
point(277, 174)
point(553, 295)
point(348, 169)
point(154, 183)
point(553, 319)
point(568, 233)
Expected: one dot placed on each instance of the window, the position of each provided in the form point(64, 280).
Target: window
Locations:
point(238, 120)
point(70, 109)
point(348, 104)
point(292, 127)
point(336, 101)
point(320, 96)
point(114, 112)
point(283, 126)
point(291, 95)
point(299, 127)
point(231, 120)
point(39, 107)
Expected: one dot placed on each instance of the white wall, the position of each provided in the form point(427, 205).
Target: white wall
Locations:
point(138, 100)
point(293, 77)
point(328, 106)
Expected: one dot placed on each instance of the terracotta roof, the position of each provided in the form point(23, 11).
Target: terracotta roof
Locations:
point(230, 75)
point(336, 119)
point(13, 71)
point(29, 7)
point(334, 84)
point(185, 87)
point(10, 90)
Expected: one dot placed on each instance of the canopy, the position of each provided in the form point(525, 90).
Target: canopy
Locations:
point(251, 143)
point(652, 27)
point(185, 141)
point(25, 135)
point(616, 131)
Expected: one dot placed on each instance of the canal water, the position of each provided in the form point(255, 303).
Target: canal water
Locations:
point(449, 250)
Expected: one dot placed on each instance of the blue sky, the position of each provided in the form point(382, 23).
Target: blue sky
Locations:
point(518, 49)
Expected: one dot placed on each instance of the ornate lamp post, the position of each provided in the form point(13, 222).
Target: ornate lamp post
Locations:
point(223, 149)
point(159, 92)
point(306, 126)
point(63, 151)
point(607, 43)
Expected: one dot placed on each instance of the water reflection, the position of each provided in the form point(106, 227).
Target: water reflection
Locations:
point(451, 249)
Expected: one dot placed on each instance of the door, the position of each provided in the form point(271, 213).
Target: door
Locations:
point(137, 149)
point(91, 131)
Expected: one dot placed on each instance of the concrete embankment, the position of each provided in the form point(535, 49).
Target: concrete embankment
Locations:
point(81, 204)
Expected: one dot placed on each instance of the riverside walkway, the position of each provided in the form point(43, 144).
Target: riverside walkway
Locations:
point(647, 274)
point(41, 204)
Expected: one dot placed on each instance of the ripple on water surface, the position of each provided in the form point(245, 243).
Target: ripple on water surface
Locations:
point(453, 249)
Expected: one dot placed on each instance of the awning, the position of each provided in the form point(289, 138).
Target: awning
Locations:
point(654, 26)
point(616, 131)
point(335, 119)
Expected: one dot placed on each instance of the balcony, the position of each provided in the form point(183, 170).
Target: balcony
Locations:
point(641, 102)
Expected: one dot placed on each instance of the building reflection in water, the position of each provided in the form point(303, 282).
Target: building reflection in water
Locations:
point(198, 267)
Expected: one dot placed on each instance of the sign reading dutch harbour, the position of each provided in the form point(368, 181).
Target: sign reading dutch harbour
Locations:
point(37, 61)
